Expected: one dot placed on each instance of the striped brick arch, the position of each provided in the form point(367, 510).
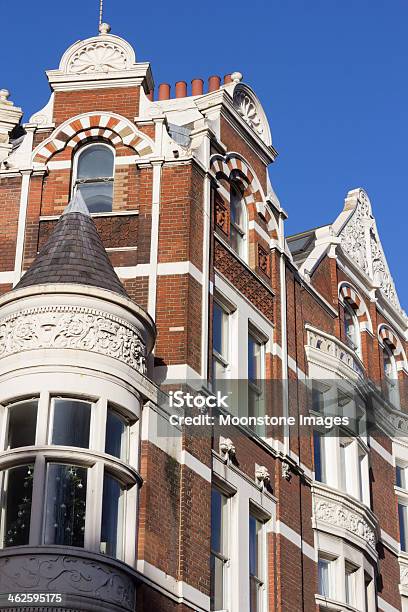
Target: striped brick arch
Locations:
point(233, 163)
point(349, 293)
point(114, 128)
point(387, 336)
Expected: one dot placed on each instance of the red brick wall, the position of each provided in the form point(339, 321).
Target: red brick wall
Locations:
point(123, 101)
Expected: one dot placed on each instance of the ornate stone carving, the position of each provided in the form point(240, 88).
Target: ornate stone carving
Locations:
point(262, 475)
point(73, 327)
point(339, 515)
point(286, 471)
point(67, 574)
point(249, 108)
point(98, 56)
point(403, 575)
point(359, 239)
point(227, 449)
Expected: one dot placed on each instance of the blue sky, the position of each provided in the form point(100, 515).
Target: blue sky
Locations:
point(332, 76)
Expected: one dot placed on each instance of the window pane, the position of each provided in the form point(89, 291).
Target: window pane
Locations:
point(400, 477)
point(72, 419)
point(220, 331)
point(65, 505)
point(98, 196)
point(112, 517)
point(95, 162)
point(402, 517)
point(219, 541)
point(116, 443)
point(324, 578)
point(351, 586)
point(22, 424)
point(350, 326)
point(236, 206)
point(319, 457)
point(254, 359)
point(254, 563)
point(217, 584)
point(317, 398)
point(17, 490)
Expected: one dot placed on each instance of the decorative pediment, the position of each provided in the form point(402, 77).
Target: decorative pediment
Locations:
point(103, 53)
point(360, 240)
point(250, 109)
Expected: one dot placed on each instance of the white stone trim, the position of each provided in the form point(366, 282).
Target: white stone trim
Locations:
point(380, 450)
point(291, 535)
point(386, 607)
point(6, 277)
point(176, 589)
point(22, 215)
point(194, 464)
point(390, 542)
point(179, 268)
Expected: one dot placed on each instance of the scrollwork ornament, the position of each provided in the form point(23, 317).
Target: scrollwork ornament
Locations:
point(99, 56)
point(338, 515)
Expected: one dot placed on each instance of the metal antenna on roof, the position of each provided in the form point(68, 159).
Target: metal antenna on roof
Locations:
point(100, 12)
point(104, 28)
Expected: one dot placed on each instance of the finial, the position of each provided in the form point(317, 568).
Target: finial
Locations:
point(4, 94)
point(236, 77)
point(104, 28)
point(77, 205)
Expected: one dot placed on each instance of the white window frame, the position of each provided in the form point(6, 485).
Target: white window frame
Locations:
point(227, 493)
point(355, 343)
point(242, 231)
point(342, 556)
point(74, 179)
point(392, 383)
point(224, 360)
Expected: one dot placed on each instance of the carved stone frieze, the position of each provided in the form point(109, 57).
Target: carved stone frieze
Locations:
point(338, 514)
point(73, 327)
point(359, 239)
point(264, 261)
point(98, 56)
point(221, 216)
point(249, 108)
point(67, 574)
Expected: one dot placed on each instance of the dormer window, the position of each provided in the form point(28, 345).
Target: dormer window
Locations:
point(237, 219)
point(351, 327)
point(93, 176)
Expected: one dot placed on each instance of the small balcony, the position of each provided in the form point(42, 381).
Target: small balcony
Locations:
point(332, 353)
point(84, 581)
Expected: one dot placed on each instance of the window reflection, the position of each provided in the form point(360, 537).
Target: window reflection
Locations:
point(65, 505)
point(71, 423)
point(112, 517)
point(17, 493)
point(22, 424)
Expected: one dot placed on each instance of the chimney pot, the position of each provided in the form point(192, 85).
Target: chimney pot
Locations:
point(164, 91)
point(227, 79)
point(181, 89)
point(214, 83)
point(197, 87)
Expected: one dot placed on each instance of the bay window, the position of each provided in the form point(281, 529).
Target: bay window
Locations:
point(76, 467)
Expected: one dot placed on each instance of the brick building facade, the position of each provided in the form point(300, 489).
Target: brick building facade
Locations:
point(105, 498)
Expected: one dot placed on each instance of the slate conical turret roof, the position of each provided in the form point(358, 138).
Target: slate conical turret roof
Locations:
point(73, 253)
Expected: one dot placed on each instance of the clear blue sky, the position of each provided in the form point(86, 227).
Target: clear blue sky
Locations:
point(332, 76)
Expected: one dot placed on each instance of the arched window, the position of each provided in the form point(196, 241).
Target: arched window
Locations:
point(94, 176)
point(351, 326)
point(390, 374)
point(237, 219)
